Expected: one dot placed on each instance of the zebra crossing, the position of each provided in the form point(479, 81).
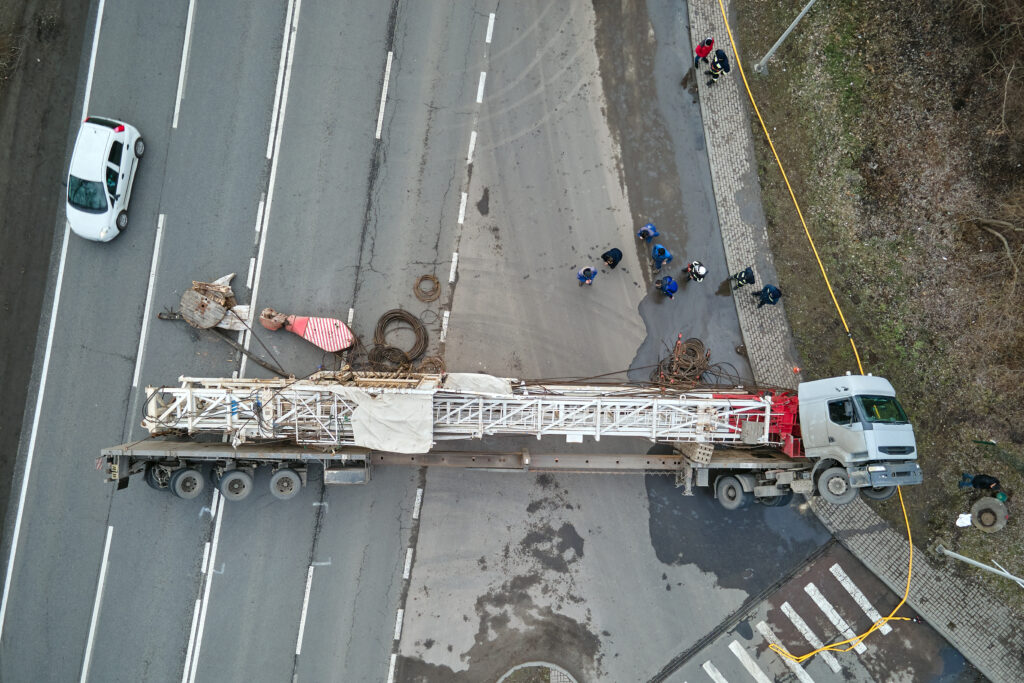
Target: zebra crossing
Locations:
point(763, 667)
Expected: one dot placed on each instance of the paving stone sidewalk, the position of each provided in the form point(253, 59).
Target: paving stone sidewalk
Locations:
point(983, 629)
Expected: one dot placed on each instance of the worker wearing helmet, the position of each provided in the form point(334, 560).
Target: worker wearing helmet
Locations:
point(719, 65)
point(661, 256)
point(695, 270)
point(667, 286)
point(586, 275)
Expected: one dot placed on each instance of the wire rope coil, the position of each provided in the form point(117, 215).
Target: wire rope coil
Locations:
point(388, 322)
point(427, 295)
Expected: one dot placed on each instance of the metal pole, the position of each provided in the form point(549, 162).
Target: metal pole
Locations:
point(979, 565)
point(759, 67)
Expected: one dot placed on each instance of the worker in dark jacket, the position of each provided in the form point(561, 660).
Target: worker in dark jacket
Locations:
point(702, 51)
point(695, 270)
point(769, 294)
point(719, 65)
point(744, 277)
point(612, 257)
point(982, 482)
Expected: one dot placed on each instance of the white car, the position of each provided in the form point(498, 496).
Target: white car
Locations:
point(103, 165)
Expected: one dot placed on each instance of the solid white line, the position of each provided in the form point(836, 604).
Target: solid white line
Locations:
point(30, 456)
point(480, 87)
point(490, 28)
point(96, 607)
point(861, 599)
point(305, 608)
point(280, 77)
point(408, 564)
point(273, 176)
point(462, 208)
point(455, 262)
point(191, 640)
point(384, 94)
point(748, 663)
point(185, 49)
point(92, 60)
point(417, 504)
point(808, 634)
point(206, 558)
point(398, 623)
point(194, 664)
point(826, 607)
point(713, 672)
point(444, 326)
point(252, 268)
point(472, 146)
point(797, 670)
point(144, 333)
point(391, 668)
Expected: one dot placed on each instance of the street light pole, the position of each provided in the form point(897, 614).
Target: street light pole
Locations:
point(979, 565)
point(759, 67)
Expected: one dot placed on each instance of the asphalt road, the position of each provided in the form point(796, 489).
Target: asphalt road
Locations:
point(502, 139)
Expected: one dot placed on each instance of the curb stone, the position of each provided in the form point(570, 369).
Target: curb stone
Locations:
point(981, 628)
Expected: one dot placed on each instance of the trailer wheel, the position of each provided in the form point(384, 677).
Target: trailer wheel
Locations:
point(235, 484)
point(730, 493)
point(779, 501)
point(878, 492)
point(187, 483)
point(834, 486)
point(285, 483)
point(157, 476)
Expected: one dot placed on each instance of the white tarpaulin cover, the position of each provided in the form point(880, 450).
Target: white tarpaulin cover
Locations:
point(475, 383)
point(397, 423)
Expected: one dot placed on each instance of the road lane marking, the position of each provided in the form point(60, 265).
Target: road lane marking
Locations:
point(407, 571)
point(280, 77)
point(323, 563)
point(192, 636)
point(259, 217)
point(472, 146)
point(384, 94)
point(351, 313)
point(444, 326)
point(826, 607)
point(490, 28)
point(797, 670)
point(206, 558)
point(87, 660)
point(186, 48)
point(809, 636)
point(462, 208)
point(713, 672)
point(861, 599)
point(391, 668)
point(149, 299)
point(189, 674)
point(252, 269)
point(748, 663)
point(30, 456)
point(480, 87)
point(290, 30)
point(398, 623)
point(417, 504)
point(305, 608)
point(455, 262)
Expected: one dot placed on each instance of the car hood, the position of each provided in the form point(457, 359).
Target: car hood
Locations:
point(91, 225)
point(90, 153)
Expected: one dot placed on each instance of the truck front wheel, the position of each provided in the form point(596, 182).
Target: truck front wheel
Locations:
point(878, 492)
point(730, 493)
point(834, 486)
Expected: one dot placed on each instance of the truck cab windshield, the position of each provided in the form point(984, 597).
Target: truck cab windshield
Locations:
point(884, 409)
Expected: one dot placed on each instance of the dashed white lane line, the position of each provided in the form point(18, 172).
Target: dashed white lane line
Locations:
point(861, 599)
point(797, 670)
point(259, 216)
point(280, 78)
point(206, 558)
point(748, 663)
point(252, 270)
point(87, 660)
point(480, 87)
point(472, 146)
point(407, 570)
point(418, 504)
point(186, 47)
point(391, 668)
point(305, 609)
point(826, 607)
point(462, 208)
point(144, 333)
point(351, 313)
point(490, 28)
point(455, 263)
point(444, 326)
point(713, 672)
point(384, 94)
point(191, 665)
point(808, 634)
point(398, 623)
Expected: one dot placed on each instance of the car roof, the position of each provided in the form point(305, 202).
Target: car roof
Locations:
point(88, 161)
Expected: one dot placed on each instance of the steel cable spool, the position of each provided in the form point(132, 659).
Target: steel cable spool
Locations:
point(427, 295)
point(431, 365)
point(397, 315)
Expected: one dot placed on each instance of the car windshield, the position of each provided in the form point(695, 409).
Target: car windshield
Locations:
point(882, 409)
point(87, 195)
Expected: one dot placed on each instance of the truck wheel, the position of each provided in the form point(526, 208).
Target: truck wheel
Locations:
point(834, 486)
point(779, 501)
point(235, 484)
point(157, 476)
point(731, 494)
point(285, 484)
point(878, 492)
point(187, 483)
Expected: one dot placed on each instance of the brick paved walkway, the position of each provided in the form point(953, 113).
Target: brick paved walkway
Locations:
point(980, 627)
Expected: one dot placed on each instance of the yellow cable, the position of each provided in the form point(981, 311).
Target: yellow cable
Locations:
point(851, 642)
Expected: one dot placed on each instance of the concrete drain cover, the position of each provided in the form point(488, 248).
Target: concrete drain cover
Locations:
point(989, 514)
point(537, 672)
